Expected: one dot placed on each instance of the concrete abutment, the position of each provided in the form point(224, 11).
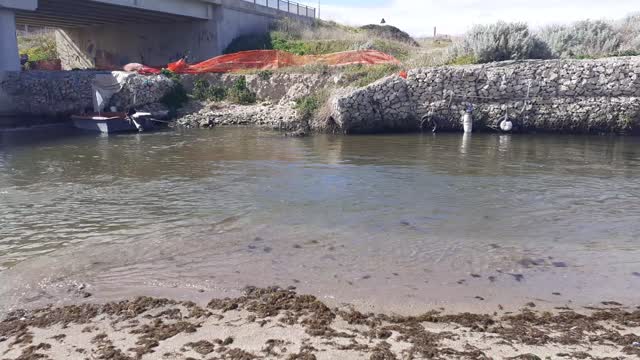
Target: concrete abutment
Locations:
point(108, 46)
point(9, 57)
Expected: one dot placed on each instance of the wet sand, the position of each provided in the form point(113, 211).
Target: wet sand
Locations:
point(278, 323)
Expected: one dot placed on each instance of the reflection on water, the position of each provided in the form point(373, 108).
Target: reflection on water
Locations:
point(338, 216)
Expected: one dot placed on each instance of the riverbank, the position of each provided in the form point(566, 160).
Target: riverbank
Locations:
point(280, 324)
point(558, 96)
point(395, 224)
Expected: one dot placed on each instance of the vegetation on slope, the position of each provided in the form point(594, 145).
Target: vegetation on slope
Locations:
point(38, 46)
point(237, 93)
point(389, 32)
point(586, 39)
point(322, 37)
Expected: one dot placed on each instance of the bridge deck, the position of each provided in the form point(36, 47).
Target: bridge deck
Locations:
point(78, 13)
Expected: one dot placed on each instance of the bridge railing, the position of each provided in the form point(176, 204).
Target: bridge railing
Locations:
point(287, 6)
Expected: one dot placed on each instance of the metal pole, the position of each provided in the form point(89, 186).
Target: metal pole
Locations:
point(318, 16)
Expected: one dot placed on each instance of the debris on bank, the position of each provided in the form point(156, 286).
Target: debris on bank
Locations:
point(279, 324)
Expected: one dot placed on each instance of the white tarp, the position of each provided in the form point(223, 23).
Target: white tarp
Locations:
point(104, 86)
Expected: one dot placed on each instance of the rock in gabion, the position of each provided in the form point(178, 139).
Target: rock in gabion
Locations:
point(47, 93)
point(140, 90)
point(580, 96)
point(56, 94)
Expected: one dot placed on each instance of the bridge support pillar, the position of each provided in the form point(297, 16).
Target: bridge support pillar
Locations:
point(9, 57)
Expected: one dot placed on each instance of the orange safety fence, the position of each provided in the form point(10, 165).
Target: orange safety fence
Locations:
point(274, 59)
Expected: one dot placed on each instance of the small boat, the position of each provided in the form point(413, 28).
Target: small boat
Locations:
point(113, 122)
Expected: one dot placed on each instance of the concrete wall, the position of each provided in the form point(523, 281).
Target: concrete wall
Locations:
point(9, 59)
point(232, 23)
point(159, 44)
point(150, 44)
point(19, 4)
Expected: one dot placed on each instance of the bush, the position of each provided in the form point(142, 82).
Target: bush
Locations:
point(202, 91)
point(240, 94)
point(583, 39)
point(38, 47)
point(501, 41)
point(629, 29)
point(307, 106)
point(177, 96)
point(265, 75)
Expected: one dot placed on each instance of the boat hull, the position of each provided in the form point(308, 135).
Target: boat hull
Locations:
point(109, 123)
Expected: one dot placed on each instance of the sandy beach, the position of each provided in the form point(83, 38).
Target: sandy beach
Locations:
point(278, 323)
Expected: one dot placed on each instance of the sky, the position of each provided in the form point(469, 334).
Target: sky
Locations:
point(453, 17)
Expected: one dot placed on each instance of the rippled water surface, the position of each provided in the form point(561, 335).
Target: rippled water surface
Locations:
point(393, 221)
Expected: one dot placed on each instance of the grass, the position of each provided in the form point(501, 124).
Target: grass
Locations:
point(309, 106)
point(239, 93)
point(463, 60)
point(320, 38)
point(361, 75)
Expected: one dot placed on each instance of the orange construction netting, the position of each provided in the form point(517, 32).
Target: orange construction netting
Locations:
point(274, 59)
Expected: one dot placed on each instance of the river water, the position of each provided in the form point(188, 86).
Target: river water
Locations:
point(394, 222)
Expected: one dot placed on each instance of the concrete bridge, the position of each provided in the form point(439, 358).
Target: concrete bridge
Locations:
point(103, 33)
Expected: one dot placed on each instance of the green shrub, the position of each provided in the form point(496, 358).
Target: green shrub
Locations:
point(202, 90)
point(582, 40)
point(170, 74)
point(265, 75)
point(307, 106)
point(177, 95)
point(239, 93)
point(501, 41)
point(38, 47)
point(629, 30)
point(628, 53)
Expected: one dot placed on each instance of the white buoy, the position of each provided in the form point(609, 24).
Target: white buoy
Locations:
point(506, 125)
point(467, 123)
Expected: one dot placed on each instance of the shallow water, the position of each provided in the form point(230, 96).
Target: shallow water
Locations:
point(397, 222)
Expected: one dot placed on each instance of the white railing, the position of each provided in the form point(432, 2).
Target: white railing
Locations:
point(287, 6)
